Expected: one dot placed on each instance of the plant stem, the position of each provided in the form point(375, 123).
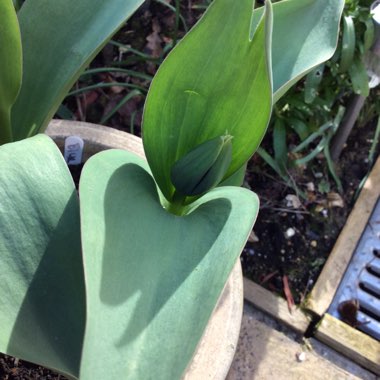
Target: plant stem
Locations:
point(176, 206)
point(375, 141)
point(352, 112)
point(5, 128)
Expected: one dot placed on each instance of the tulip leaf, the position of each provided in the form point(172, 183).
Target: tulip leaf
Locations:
point(10, 66)
point(202, 168)
point(216, 81)
point(305, 34)
point(151, 287)
point(59, 40)
point(42, 307)
point(348, 44)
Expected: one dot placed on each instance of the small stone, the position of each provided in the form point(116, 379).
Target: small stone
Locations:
point(301, 356)
point(293, 201)
point(253, 238)
point(313, 243)
point(290, 232)
point(310, 186)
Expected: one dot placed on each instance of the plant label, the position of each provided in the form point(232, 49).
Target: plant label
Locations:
point(73, 150)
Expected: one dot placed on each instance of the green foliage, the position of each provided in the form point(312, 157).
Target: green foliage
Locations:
point(152, 278)
point(42, 311)
point(203, 168)
point(313, 39)
point(146, 272)
point(59, 39)
point(200, 103)
point(348, 44)
point(10, 71)
point(313, 111)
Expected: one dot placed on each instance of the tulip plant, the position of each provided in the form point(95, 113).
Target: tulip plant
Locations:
point(121, 284)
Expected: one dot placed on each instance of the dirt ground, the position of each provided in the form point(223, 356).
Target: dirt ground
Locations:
point(293, 236)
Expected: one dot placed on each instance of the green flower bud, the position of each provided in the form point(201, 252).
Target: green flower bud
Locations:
point(202, 168)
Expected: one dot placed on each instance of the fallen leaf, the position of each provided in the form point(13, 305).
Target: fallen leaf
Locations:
point(268, 277)
point(108, 78)
point(348, 310)
point(311, 197)
point(84, 101)
point(288, 293)
point(335, 200)
point(154, 39)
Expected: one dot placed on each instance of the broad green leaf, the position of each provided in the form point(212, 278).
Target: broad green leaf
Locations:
point(59, 39)
point(305, 34)
point(216, 81)
point(10, 66)
point(152, 278)
point(42, 307)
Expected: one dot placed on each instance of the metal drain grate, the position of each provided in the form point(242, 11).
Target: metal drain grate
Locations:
point(357, 300)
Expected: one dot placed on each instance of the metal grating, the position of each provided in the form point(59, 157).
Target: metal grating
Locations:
point(357, 300)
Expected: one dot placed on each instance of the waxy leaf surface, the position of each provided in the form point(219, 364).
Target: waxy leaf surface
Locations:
point(216, 81)
point(59, 40)
point(152, 278)
point(42, 307)
point(10, 66)
point(305, 34)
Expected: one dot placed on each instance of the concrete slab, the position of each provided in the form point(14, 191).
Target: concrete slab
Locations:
point(267, 350)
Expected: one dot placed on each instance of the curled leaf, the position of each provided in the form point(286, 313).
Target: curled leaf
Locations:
point(348, 44)
point(203, 167)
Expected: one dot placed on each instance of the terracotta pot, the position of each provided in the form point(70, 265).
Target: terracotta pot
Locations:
point(216, 349)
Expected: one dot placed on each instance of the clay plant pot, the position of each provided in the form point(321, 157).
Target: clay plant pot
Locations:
point(216, 349)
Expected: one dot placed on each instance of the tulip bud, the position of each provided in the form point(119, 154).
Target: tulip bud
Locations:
point(203, 167)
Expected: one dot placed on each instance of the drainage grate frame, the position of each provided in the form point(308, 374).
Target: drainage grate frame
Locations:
point(357, 300)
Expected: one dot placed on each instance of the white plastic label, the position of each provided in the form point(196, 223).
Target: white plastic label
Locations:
point(73, 150)
point(376, 11)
